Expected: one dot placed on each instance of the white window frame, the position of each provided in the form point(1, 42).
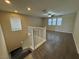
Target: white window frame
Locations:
point(56, 21)
point(15, 22)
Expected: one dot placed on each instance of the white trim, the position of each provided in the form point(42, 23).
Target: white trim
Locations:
point(3, 48)
point(59, 31)
point(63, 31)
point(75, 44)
point(42, 42)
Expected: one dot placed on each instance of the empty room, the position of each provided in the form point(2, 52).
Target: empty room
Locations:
point(39, 29)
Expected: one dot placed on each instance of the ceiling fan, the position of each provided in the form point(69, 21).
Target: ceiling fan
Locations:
point(48, 13)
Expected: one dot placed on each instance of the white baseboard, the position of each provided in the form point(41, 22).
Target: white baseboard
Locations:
point(36, 45)
point(59, 31)
point(40, 44)
point(76, 44)
point(63, 31)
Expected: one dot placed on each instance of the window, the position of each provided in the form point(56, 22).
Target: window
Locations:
point(55, 21)
point(15, 23)
point(50, 22)
point(59, 21)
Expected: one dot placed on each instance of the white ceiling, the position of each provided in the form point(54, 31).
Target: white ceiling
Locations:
point(60, 7)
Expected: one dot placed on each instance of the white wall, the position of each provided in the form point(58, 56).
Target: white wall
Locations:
point(3, 49)
point(13, 39)
point(67, 24)
point(76, 32)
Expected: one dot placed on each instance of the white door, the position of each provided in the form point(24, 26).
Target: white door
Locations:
point(3, 50)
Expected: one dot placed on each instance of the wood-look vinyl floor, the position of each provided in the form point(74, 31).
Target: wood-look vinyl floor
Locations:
point(58, 46)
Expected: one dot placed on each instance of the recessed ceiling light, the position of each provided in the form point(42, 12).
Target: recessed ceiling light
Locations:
point(7, 1)
point(16, 11)
point(28, 9)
